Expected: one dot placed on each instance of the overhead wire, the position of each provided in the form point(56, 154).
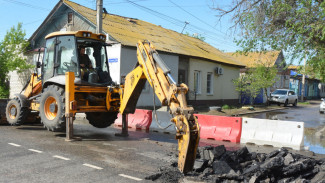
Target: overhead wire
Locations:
point(180, 23)
point(196, 17)
point(195, 29)
point(27, 5)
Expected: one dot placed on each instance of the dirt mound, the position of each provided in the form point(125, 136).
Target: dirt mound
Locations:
point(215, 164)
point(169, 174)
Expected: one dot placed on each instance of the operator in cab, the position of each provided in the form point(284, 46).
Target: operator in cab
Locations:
point(85, 64)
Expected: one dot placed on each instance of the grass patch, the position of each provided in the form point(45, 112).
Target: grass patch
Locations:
point(304, 103)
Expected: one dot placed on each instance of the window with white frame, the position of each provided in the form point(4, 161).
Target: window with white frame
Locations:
point(209, 83)
point(197, 82)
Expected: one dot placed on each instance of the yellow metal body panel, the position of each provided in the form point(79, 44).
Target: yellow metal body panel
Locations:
point(34, 86)
point(169, 94)
point(113, 99)
point(34, 106)
point(79, 34)
point(69, 94)
point(155, 76)
point(77, 97)
point(132, 90)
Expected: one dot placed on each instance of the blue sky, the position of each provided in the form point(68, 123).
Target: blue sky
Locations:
point(170, 14)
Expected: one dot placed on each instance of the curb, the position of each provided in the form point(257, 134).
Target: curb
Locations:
point(240, 114)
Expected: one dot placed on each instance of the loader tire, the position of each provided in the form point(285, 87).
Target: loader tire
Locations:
point(52, 108)
point(15, 113)
point(101, 119)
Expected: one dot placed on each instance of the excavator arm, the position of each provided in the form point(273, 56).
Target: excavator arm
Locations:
point(150, 67)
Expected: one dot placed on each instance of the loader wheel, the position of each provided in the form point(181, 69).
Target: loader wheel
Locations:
point(101, 119)
point(52, 108)
point(15, 113)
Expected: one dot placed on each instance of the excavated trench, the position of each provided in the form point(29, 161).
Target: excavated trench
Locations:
point(216, 164)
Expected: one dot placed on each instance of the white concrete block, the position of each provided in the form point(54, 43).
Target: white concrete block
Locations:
point(273, 132)
point(165, 125)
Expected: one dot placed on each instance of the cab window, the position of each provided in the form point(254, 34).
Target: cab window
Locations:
point(67, 57)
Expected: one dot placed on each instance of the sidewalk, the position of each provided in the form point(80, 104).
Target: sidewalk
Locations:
point(242, 111)
point(257, 109)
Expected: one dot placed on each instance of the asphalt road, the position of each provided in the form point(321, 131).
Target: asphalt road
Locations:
point(29, 153)
point(309, 114)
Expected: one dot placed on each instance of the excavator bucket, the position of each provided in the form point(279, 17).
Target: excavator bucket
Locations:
point(188, 135)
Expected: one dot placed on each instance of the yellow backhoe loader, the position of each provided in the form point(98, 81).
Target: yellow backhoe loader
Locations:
point(75, 78)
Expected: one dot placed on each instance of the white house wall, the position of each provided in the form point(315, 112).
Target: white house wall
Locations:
point(223, 87)
point(128, 61)
point(18, 80)
point(15, 84)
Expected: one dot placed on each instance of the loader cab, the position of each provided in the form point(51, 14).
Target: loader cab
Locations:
point(62, 54)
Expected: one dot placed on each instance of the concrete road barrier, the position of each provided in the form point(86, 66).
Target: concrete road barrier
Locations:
point(220, 127)
point(165, 125)
point(273, 132)
point(140, 120)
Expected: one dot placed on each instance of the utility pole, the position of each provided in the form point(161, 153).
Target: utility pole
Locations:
point(184, 26)
point(303, 81)
point(99, 26)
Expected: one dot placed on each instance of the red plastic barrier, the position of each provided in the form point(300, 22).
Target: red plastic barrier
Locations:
point(141, 119)
point(220, 127)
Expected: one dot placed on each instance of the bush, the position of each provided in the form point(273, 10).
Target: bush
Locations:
point(226, 107)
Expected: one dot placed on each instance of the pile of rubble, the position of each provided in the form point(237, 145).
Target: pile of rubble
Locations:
point(215, 164)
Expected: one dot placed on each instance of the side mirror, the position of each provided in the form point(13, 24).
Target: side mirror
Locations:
point(38, 64)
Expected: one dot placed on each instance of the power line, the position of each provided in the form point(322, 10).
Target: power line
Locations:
point(196, 17)
point(27, 5)
point(178, 22)
point(123, 2)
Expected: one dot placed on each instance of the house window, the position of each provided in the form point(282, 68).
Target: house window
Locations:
point(197, 82)
point(209, 83)
point(70, 18)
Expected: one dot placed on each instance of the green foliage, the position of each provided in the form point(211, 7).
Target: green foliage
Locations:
point(295, 26)
point(227, 107)
point(255, 79)
point(11, 49)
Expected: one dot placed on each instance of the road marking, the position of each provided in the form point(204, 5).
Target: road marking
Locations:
point(130, 177)
point(34, 150)
point(17, 145)
point(92, 166)
point(61, 157)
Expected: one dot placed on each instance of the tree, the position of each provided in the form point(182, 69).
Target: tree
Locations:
point(295, 26)
point(247, 84)
point(255, 79)
point(12, 48)
point(267, 76)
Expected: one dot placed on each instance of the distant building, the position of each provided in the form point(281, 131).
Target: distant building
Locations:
point(267, 59)
point(313, 89)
